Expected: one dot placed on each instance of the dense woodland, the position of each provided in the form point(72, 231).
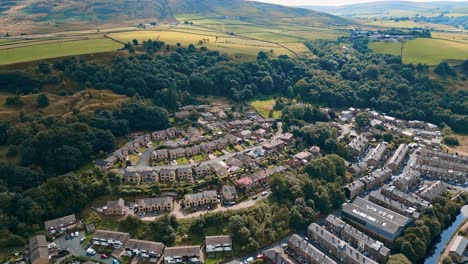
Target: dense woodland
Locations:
point(47, 146)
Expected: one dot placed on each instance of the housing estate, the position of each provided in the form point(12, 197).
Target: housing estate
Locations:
point(398, 157)
point(155, 204)
point(38, 250)
point(218, 244)
point(201, 198)
point(307, 251)
point(60, 224)
point(183, 254)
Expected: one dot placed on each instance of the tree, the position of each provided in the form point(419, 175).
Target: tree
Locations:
point(262, 56)
point(42, 100)
point(408, 250)
point(362, 120)
point(12, 151)
point(135, 42)
point(451, 141)
point(444, 69)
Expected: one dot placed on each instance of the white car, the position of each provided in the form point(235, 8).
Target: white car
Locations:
point(77, 234)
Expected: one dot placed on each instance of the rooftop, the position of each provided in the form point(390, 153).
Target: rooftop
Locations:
point(63, 221)
point(182, 251)
point(218, 240)
point(149, 246)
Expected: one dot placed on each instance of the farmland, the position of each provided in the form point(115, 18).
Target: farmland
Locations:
point(56, 49)
point(263, 107)
point(428, 51)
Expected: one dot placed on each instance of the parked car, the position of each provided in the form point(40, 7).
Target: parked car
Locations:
point(155, 213)
point(264, 193)
point(254, 198)
point(67, 237)
point(104, 256)
point(72, 235)
point(82, 240)
point(90, 252)
point(62, 252)
point(77, 234)
point(115, 261)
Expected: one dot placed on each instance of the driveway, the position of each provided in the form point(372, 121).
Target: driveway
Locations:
point(74, 246)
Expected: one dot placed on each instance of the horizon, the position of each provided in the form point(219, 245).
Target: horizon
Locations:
point(296, 3)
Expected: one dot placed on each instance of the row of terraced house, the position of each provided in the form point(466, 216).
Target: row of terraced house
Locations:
point(133, 146)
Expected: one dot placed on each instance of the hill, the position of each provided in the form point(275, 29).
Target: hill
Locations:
point(395, 9)
point(33, 16)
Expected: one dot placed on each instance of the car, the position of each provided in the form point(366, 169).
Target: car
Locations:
point(264, 193)
point(254, 198)
point(72, 235)
point(90, 252)
point(62, 252)
point(67, 237)
point(88, 245)
point(115, 261)
point(104, 256)
point(155, 213)
point(82, 239)
point(77, 234)
point(248, 260)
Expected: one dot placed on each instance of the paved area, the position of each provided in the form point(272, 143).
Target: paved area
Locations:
point(76, 249)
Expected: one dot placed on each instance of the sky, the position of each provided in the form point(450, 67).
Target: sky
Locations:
point(329, 2)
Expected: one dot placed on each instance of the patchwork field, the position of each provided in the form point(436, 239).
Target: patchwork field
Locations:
point(56, 49)
point(427, 51)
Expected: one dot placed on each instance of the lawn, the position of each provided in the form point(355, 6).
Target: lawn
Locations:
point(199, 157)
point(263, 107)
point(427, 51)
point(54, 50)
point(182, 161)
point(133, 159)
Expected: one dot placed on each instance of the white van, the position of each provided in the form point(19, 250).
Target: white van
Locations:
point(91, 251)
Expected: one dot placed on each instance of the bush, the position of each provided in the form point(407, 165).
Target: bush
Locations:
point(451, 141)
point(42, 100)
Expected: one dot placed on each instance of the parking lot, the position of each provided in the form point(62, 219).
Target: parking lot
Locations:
point(76, 249)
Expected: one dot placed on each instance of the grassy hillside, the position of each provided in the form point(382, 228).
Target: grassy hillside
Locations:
point(428, 51)
point(28, 16)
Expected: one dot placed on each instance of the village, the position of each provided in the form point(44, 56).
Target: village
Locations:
point(226, 158)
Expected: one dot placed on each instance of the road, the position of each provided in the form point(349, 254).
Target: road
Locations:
point(74, 246)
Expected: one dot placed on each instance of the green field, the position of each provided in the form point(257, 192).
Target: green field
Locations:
point(426, 51)
point(263, 107)
point(53, 50)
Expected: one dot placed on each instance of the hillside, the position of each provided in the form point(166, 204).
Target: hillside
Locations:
point(33, 16)
point(395, 9)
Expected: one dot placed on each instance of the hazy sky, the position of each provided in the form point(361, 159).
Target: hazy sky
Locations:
point(328, 2)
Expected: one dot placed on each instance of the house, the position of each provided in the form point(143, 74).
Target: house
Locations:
point(239, 124)
point(398, 157)
point(159, 135)
point(38, 250)
point(276, 256)
point(458, 248)
point(167, 175)
point(433, 191)
point(208, 147)
point(376, 154)
point(358, 169)
point(218, 244)
point(160, 154)
point(358, 146)
point(221, 143)
point(374, 249)
point(155, 204)
point(304, 156)
point(273, 145)
point(172, 132)
point(354, 189)
point(184, 174)
point(191, 151)
point(408, 181)
point(377, 198)
point(288, 137)
point(374, 219)
point(377, 178)
point(315, 150)
point(245, 134)
point(245, 182)
point(60, 224)
point(335, 246)
point(410, 200)
point(131, 176)
point(176, 153)
point(181, 115)
point(115, 207)
point(208, 116)
point(203, 171)
point(107, 164)
point(183, 254)
point(260, 132)
point(201, 198)
point(112, 239)
point(149, 176)
point(219, 168)
point(144, 249)
point(307, 251)
point(229, 193)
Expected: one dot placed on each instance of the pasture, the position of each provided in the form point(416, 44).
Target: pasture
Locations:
point(56, 49)
point(426, 51)
point(263, 107)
